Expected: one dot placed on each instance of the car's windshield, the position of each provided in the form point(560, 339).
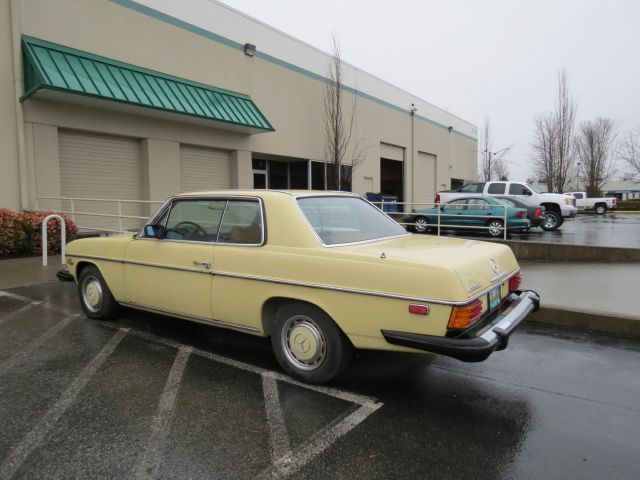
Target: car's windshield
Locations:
point(339, 220)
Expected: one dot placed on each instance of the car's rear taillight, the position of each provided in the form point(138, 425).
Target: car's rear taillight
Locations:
point(515, 282)
point(538, 213)
point(614, 200)
point(520, 214)
point(463, 316)
point(437, 198)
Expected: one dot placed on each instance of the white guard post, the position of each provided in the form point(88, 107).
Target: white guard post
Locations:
point(63, 237)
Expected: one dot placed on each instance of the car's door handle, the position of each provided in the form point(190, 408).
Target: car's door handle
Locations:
point(206, 265)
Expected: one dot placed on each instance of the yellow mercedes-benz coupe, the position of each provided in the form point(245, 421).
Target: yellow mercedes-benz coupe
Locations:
point(321, 273)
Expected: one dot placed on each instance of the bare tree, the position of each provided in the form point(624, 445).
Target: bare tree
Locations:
point(594, 147)
point(500, 169)
point(553, 141)
point(544, 156)
point(342, 153)
point(630, 150)
point(492, 164)
point(565, 119)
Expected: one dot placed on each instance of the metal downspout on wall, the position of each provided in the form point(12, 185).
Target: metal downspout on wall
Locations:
point(18, 86)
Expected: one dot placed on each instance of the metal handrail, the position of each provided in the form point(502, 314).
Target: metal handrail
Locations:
point(503, 217)
point(63, 237)
point(119, 215)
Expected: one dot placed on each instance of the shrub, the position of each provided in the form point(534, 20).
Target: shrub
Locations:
point(11, 232)
point(633, 204)
point(20, 232)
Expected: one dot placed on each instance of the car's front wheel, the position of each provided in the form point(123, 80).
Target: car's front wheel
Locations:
point(552, 221)
point(95, 297)
point(308, 344)
point(421, 225)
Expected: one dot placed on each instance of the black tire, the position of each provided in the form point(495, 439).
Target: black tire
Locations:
point(552, 221)
point(601, 209)
point(421, 225)
point(95, 297)
point(496, 227)
point(308, 345)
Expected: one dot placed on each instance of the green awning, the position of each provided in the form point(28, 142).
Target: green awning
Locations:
point(51, 67)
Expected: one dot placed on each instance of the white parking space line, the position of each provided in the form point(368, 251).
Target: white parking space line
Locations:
point(18, 312)
point(293, 461)
point(32, 440)
point(278, 434)
point(149, 465)
point(24, 354)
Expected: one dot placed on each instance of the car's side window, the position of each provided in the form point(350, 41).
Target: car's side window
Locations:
point(577, 195)
point(242, 223)
point(518, 189)
point(496, 188)
point(477, 204)
point(472, 188)
point(194, 220)
point(455, 205)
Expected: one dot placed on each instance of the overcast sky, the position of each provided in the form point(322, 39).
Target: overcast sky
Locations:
point(492, 58)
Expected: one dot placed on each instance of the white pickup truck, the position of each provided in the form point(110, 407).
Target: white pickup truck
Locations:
point(558, 206)
point(599, 204)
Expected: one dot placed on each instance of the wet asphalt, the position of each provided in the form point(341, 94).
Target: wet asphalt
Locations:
point(85, 399)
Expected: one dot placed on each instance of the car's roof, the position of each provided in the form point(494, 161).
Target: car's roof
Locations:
point(267, 193)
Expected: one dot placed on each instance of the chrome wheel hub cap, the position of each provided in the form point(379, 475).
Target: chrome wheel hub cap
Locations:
point(550, 221)
point(92, 294)
point(303, 343)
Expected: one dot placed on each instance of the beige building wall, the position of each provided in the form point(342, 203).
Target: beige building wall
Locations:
point(292, 102)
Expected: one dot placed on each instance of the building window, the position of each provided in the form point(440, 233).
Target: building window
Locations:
point(318, 176)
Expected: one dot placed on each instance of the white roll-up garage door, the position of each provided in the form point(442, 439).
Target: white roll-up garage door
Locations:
point(204, 169)
point(424, 180)
point(101, 166)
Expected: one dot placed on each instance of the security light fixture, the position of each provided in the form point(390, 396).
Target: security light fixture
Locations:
point(249, 49)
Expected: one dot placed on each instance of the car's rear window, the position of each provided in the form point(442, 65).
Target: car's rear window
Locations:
point(338, 220)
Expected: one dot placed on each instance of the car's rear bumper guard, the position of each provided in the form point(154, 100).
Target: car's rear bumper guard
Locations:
point(477, 348)
point(65, 276)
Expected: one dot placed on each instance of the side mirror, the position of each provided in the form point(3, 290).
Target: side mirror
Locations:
point(153, 231)
point(528, 192)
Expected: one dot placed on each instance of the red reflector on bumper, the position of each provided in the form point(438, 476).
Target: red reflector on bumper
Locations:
point(419, 309)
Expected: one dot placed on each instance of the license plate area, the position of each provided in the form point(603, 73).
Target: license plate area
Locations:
point(494, 298)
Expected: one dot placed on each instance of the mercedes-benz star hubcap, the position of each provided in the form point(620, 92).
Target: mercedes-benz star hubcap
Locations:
point(92, 293)
point(303, 342)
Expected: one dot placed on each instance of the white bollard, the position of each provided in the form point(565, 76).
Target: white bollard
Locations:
point(63, 237)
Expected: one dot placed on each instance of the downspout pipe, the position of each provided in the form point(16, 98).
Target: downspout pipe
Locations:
point(18, 86)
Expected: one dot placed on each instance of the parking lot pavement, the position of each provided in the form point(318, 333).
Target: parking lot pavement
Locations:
point(154, 397)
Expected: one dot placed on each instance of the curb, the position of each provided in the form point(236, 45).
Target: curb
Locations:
point(525, 250)
point(615, 324)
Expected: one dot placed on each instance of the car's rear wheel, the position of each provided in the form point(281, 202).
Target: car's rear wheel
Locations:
point(601, 209)
point(421, 225)
point(496, 227)
point(552, 221)
point(308, 344)
point(95, 297)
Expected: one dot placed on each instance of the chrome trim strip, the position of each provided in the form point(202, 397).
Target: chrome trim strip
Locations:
point(356, 291)
point(206, 321)
point(497, 277)
point(142, 264)
point(320, 286)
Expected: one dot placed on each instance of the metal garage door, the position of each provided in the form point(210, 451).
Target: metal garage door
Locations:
point(203, 169)
point(101, 166)
point(424, 180)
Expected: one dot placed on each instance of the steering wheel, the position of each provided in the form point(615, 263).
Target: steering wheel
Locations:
point(192, 228)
